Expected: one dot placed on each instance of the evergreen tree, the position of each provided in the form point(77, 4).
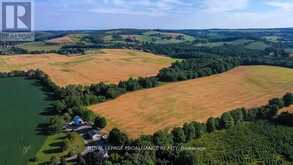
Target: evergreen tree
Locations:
point(161, 138)
point(277, 102)
point(117, 138)
point(211, 124)
point(189, 131)
point(238, 115)
point(178, 135)
point(288, 99)
point(100, 122)
point(56, 124)
point(186, 158)
point(227, 120)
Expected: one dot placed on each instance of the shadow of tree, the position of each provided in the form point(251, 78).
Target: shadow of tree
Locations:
point(56, 144)
point(85, 130)
point(53, 151)
point(61, 138)
point(43, 129)
point(44, 163)
point(49, 111)
point(55, 147)
point(50, 95)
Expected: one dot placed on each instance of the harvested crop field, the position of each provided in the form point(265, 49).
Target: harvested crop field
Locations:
point(171, 105)
point(108, 65)
point(288, 109)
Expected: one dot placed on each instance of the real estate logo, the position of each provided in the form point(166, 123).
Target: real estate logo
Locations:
point(16, 21)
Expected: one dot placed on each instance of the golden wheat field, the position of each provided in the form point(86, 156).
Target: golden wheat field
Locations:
point(107, 65)
point(171, 105)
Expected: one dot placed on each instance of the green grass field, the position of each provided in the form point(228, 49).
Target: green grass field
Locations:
point(258, 45)
point(154, 37)
point(21, 102)
point(40, 46)
point(52, 148)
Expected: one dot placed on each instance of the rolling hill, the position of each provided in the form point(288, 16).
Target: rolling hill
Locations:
point(107, 65)
point(170, 105)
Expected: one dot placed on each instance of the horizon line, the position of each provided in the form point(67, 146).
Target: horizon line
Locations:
point(171, 29)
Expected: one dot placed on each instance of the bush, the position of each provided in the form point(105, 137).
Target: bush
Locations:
point(211, 124)
point(100, 122)
point(33, 159)
point(178, 135)
point(117, 138)
point(277, 102)
point(288, 99)
point(56, 124)
point(227, 120)
point(65, 145)
point(186, 158)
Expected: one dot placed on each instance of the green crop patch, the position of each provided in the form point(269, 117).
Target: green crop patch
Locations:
point(22, 102)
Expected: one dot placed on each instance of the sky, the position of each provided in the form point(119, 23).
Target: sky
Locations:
point(161, 14)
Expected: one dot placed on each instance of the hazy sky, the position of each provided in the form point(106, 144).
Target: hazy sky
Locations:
point(167, 14)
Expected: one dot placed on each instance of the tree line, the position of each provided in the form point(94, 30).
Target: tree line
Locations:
point(73, 100)
point(182, 135)
point(177, 50)
point(196, 68)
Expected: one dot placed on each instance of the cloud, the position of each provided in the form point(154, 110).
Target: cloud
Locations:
point(169, 7)
point(213, 6)
point(150, 7)
point(143, 7)
point(179, 14)
point(125, 12)
point(281, 4)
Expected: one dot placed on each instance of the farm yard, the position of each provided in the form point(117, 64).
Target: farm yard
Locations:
point(146, 111)
point(108, 65)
